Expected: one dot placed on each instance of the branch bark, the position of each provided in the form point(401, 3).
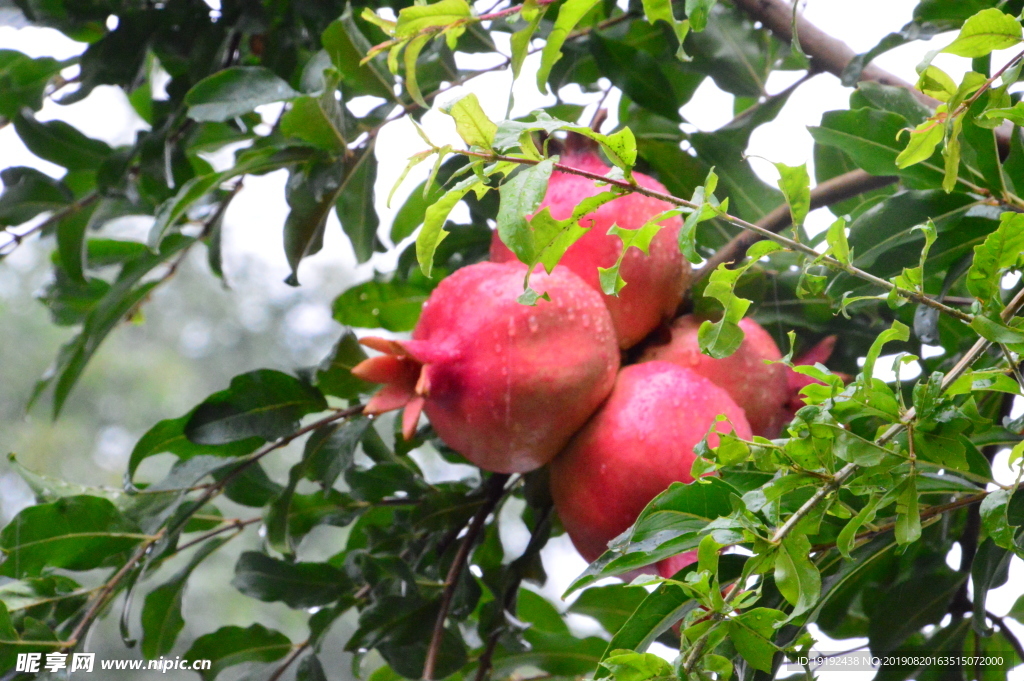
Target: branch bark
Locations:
point(833, 55)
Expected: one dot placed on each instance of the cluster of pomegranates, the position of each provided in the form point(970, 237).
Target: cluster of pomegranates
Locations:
point(514, 387)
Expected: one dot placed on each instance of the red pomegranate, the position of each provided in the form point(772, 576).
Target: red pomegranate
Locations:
point(655, 282)
point(761, 389)
point(634, 447)
point(504, 384)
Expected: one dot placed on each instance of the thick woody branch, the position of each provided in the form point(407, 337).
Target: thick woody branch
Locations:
point(833, 55)
point(827, 193)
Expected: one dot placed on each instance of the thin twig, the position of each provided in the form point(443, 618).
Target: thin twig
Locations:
point(826, 193)
point(17, 239)
point(494, 490)
point(829, 262)
point(236, 524)
point(108, 588)
point(1007, 634)
point(292, 656)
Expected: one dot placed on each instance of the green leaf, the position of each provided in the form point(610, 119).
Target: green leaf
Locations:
point(671, 523)
point(988, 30)
point(611, 605)
point(908, 515)
point(433, 231)
point(661, 10)
point(317, 121)
point(569, 14)
point(905, 608)
point(168, 436)
point(161, 614)
point(552, 238)
point(334, 375)
point(60, 143)
point(262, 403)
point(640, 238)
point(838, 246)
point(74, 533)
point(174, 209)
point(848, 535)
point(897, 332)
point(923, 140)
point(697, 13)
point(520, 40)
point(393, 304)
point(520, 197)
point(951, 154)
point(347, 47)
point(796, 576)
point(795, 184)
point(297, 585)
point(752, 633)
point(311, 192)
point(471, 123)
point(355, 204)
point(720, 339)
point(1014, 114)
point(233, 645)
point(869, 138)
point(328, 453)
point(23, 81)
point(412, 20)
point(27, 193)
point(637, 73)
point(1000, 251)
point(996, 331)
point(235, 91)
point(625, 665)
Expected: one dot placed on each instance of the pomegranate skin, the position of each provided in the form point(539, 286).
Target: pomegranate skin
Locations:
point(634, 447)
point(761, 390)
point(655, 282)
point(504, 384)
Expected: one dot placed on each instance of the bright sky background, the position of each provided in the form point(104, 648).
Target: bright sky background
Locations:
point(253, 222)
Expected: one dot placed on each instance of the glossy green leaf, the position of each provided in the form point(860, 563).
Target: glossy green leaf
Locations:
point(27, 193)
point(796, 187)
point(23, 81)
point(61, 143)
point(392, 304)
point(297, 585)
point(74, 533)
point(347, 47)
point(161, 613)
point(355, 205)
point(752, 633)
point(263, 403)
point(233, 645)
point(988, 30)
point(569, 15)
point(796, 576)
point(235, 91)
point(471, 123)
point(334, 374)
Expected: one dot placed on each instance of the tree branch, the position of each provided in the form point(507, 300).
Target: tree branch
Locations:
point(494, 489)
point(71, 208)
point(292, 656)
point(833, 55)
point(829, 192)
point(1007, 634)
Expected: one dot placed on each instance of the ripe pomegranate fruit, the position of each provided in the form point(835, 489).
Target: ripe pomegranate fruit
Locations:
point(639, 442)
point(655, 282)
point(760, 389)
point(504, 384)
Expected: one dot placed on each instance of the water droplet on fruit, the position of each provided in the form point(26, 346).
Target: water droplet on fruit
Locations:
point(511, 328)
point(585, 321)
point(533, 324)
